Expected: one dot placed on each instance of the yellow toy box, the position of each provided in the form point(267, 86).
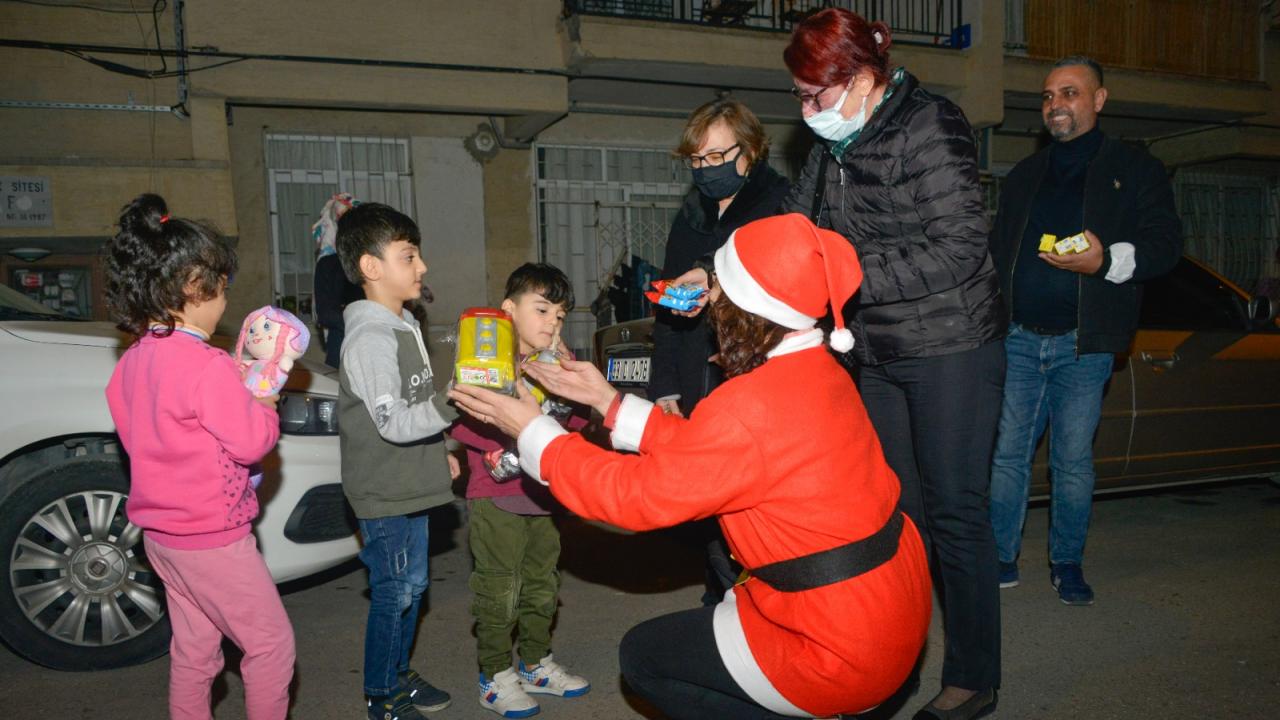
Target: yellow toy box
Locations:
point(486, 354)
point(1071, 245)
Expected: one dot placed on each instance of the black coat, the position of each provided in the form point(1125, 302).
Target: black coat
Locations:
point(682, 345)
point(906, 195)
point(333, 292)
point(1127, 198)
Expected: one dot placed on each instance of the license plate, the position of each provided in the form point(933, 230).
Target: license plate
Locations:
point(628, 370)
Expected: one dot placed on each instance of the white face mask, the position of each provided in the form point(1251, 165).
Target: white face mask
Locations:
point(830, 125)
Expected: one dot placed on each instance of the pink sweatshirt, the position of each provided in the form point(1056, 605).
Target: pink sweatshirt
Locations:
point(190, 428)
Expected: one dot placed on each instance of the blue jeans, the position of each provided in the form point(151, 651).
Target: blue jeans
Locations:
point(1046, 385)
point(395, 551)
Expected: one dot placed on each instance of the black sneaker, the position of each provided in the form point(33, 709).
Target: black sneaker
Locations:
point(393, 707)
point(1009, 575)
point(1068, 579)
point(424, 696)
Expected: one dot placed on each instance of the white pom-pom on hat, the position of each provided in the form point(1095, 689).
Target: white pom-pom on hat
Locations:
point(841, 340)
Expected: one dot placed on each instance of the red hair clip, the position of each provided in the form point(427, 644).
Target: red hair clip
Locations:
point(164, 219)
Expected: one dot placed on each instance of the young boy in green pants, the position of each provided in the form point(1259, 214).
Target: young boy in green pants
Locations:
point(514, 542)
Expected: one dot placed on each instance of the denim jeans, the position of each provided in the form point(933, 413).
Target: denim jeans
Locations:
point(395, 551)
point(1046, 385)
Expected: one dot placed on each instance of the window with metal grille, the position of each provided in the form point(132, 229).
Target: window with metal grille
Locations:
point(1229, 222)
point(597, 207)
point(303, 172)
point(600, 206)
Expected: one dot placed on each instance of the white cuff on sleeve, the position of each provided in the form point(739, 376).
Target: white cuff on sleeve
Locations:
point(535, 438)
point(1122, 262)
point(628, 427)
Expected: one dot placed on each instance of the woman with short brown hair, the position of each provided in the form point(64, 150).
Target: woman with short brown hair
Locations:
point(727, 150)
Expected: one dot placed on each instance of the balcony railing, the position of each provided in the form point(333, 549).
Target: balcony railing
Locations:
point(914, 22)
point(1210, 38)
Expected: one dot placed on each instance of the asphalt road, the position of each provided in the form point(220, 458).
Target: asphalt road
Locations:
point(1186, 624)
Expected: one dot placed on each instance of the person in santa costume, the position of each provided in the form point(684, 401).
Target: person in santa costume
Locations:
point(836, 606)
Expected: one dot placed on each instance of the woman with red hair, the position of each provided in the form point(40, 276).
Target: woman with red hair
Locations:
point(895, 172)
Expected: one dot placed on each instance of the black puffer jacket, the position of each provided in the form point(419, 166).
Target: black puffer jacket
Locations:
point(906, 194)
point(682, 345)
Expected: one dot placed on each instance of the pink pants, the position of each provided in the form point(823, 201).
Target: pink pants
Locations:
point(216, 592)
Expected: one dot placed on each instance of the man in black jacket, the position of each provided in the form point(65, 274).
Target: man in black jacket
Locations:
point(1070, 313)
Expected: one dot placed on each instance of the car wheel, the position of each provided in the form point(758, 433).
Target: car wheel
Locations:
point(76, 592)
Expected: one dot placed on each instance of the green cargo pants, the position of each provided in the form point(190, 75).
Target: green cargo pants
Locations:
point(515, 582)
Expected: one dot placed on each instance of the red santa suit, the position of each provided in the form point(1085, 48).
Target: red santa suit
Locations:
point(786, 458)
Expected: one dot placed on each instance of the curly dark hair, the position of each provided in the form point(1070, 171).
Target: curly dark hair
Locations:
point(156, 264)
point(744, 338)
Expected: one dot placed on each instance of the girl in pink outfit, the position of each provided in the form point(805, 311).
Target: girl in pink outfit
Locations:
point(191, 428)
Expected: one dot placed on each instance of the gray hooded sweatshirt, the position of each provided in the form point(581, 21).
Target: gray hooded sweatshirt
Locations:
point(390, 419)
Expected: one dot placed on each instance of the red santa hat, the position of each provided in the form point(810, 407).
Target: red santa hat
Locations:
point(788, 270)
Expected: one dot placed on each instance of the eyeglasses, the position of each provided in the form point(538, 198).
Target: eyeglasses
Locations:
point(712, 159)
point(810, 99)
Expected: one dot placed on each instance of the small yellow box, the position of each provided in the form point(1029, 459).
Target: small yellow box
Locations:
point(1047, 241)
point(1072, 245)
point(486, 354)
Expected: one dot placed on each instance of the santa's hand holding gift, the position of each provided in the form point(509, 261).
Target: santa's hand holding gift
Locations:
point(836, 607)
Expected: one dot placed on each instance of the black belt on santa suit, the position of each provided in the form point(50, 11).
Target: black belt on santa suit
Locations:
point(835, 565)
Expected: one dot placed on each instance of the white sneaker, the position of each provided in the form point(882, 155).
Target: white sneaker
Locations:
point(549, 678)
point(505, 696)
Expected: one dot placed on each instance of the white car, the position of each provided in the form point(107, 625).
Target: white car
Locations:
point(75, 590)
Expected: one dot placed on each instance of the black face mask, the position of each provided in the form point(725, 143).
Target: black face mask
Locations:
point(720, 181)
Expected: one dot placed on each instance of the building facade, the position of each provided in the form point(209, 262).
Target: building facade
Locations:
point(541, 129)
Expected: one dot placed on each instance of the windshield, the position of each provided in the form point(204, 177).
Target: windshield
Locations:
point(16, 306)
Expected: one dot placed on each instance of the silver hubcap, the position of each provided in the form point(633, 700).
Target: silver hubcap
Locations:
point(77, 575)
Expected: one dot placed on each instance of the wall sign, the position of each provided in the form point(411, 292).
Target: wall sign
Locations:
point(25, 201)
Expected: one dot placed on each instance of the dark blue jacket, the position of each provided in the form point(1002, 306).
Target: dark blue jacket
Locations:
point(1127, 198)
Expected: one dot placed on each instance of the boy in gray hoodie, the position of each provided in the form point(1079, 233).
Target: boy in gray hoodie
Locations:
point(394, 463)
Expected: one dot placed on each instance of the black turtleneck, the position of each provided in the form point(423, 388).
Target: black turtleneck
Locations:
point(1044, 296)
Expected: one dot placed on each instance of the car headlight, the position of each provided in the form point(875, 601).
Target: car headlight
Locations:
point(307, 414)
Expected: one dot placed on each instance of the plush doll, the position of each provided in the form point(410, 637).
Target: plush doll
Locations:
point(273, 338)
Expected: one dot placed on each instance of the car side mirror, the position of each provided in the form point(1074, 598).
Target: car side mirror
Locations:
point(1261, 311)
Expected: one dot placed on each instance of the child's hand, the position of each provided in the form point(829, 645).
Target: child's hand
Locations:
point(269, 400)
point(455, 468)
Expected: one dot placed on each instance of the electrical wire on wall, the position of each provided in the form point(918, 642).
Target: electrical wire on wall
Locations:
point(74, 6)
point(156, 8)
